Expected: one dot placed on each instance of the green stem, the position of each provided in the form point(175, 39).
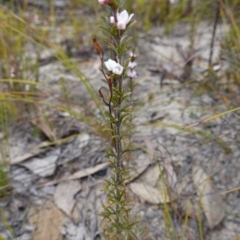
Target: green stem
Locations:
point(118, 142)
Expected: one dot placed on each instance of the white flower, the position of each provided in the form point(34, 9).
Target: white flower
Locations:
point(132, 74)
point(113, 66)
point(132, 65)
point(123, 19)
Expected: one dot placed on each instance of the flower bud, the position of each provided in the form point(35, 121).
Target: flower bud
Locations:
point(132, 65)
point(112, 20)
point(132, 74)
point(104, 2)
point(132, 55)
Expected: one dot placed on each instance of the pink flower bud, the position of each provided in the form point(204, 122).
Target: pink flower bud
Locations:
point(132, 74)
point(132, 55)
point(132, 64)
point(104, 2)
point(112, 20)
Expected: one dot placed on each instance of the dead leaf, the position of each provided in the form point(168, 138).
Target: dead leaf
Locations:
point(79, 174)
point(47, 222)
point(25, 156)
point(153, 175)
point(64, 195)
point(140, 169)
point(148, 193)
point(137, 173)
point(211, 200)
point(143, 161)
point(44, 167)
point(154, 185)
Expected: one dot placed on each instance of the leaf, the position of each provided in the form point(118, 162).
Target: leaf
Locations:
point(80, 174)
point(149, 193)
point(47, 222)
point(64, 196)
point(138, 172)
point(44, 167)
point(211, 200)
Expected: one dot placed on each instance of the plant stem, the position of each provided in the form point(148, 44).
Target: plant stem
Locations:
point(216, 18)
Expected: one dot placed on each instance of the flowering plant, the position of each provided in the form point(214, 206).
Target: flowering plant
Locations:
point(117, 69)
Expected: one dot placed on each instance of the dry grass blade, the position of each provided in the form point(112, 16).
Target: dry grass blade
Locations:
point(43, 124)
point(203, 134)
point(212, 117)
point(24, 157)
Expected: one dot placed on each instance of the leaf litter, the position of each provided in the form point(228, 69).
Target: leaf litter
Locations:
point(210, 200)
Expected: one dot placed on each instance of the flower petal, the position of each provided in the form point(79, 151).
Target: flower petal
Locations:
point(110, 64)
point(121, 25)
point(132, 55)
point(130, 17)
point(132, 74)
point(132, 64)
point(118, 69)
point(123, 16)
